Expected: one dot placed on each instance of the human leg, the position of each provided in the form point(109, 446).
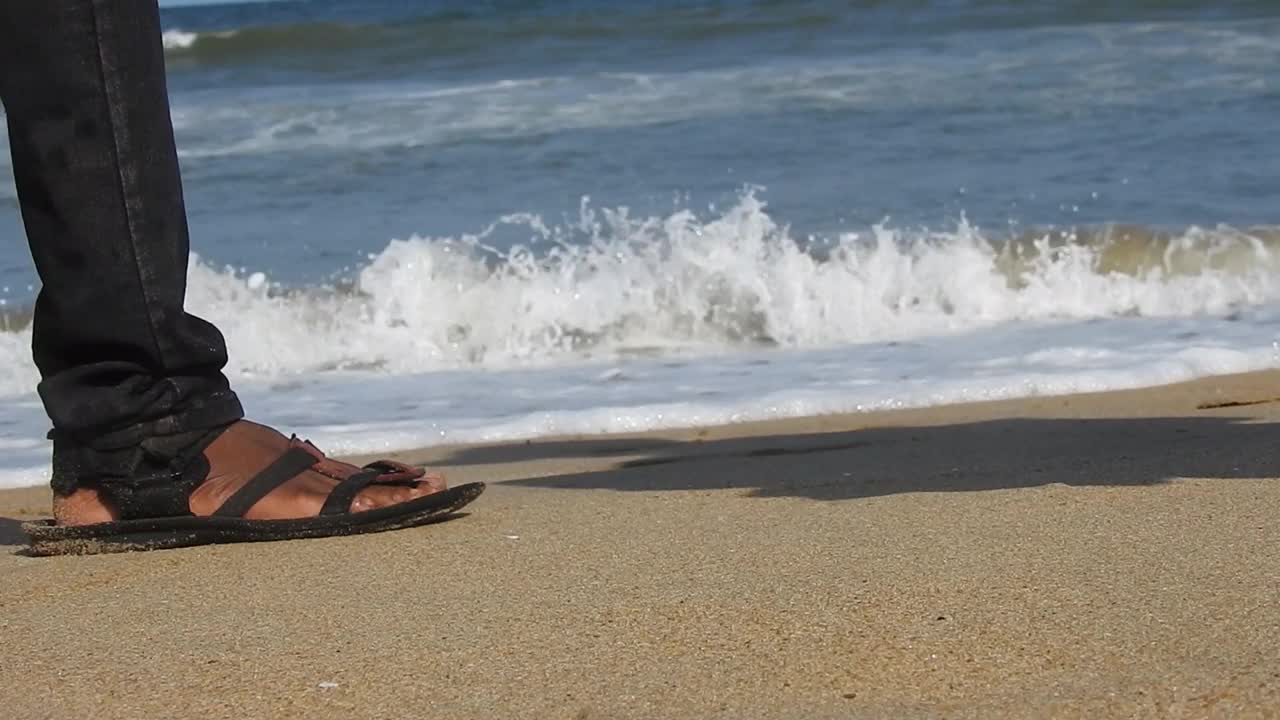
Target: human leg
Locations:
point(144, 421)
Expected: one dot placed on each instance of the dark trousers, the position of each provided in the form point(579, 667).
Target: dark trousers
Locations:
point(124, 367)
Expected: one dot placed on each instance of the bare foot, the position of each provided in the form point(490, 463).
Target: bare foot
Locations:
point(238, 454)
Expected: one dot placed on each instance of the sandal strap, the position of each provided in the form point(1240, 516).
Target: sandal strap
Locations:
point(289, 465)
point(342, 495)
point(399, 471)
point(388, 466)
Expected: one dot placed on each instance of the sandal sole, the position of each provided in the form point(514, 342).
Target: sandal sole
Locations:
point(176, 532)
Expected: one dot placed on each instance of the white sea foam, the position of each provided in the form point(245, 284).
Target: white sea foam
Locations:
point(622, 323)
point(364, 412)
point(616, 286)
point(178, 39)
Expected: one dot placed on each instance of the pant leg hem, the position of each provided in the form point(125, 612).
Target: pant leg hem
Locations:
point(131, 452)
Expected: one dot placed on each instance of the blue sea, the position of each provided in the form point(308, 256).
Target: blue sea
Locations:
point(437, 222)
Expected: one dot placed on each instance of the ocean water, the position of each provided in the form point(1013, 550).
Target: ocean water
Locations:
point(425, 222)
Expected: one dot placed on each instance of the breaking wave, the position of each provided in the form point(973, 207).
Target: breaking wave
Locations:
point(613, 285)
point(178, 39)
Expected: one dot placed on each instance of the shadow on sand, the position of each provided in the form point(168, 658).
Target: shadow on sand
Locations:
point(987, 455)
point(11, 532)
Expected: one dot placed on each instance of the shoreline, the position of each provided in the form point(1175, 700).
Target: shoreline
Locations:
point(1225, 392)
point(1095, 555)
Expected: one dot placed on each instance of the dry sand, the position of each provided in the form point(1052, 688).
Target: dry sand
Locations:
point(1110, 555)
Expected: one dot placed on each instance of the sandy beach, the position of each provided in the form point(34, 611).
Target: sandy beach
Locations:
point(1108, 555)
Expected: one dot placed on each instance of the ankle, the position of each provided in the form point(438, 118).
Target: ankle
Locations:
point(83, 506)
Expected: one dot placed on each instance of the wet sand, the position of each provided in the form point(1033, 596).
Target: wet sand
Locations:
point(1108, 555)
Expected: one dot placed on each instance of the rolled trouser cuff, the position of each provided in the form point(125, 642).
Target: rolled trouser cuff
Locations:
point(142, 452)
